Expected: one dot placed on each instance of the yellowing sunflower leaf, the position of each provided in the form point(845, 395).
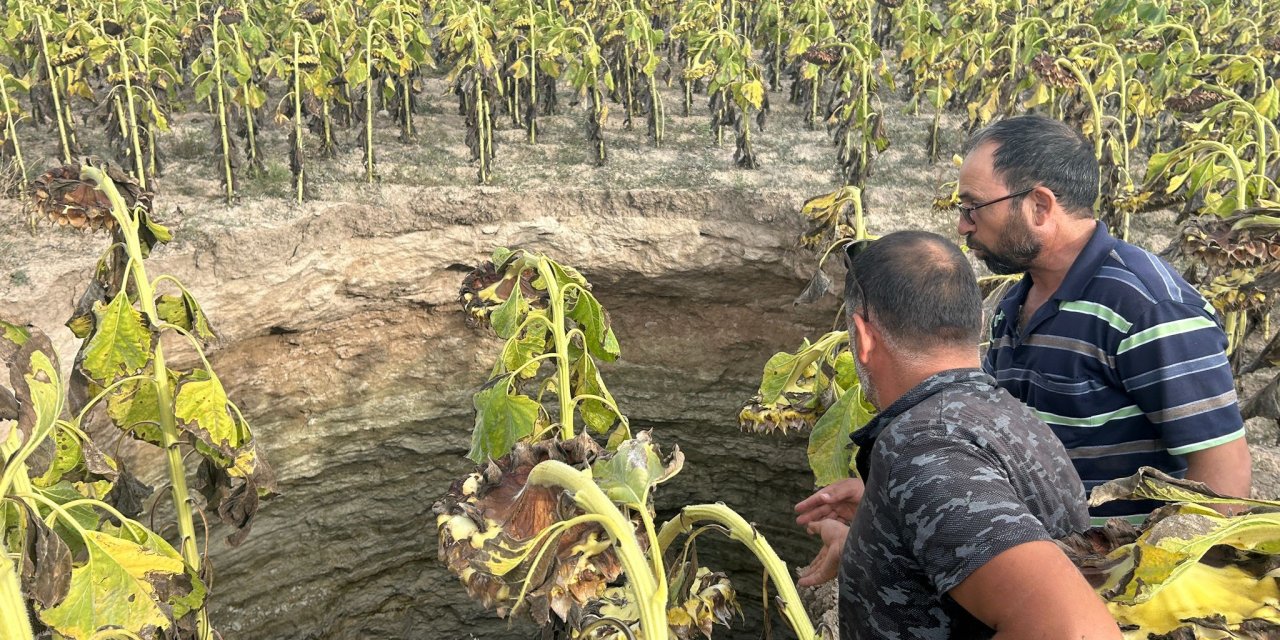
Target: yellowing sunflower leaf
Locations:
point(595, 414)
point(1152, 484)
point(1177, 542)
point(202, 410)
point(507, 316)
point(829, 452)
point(182, 600)
point(121, 346)
point(753, 93)
point(134, 407)
point(631, 473)
point(599, 337)
point(118, 585)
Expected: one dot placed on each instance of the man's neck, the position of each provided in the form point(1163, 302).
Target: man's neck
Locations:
point(1059, 252)
point(907, 376)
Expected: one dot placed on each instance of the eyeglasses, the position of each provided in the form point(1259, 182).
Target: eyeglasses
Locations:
point(966, 211)
point(852, 251)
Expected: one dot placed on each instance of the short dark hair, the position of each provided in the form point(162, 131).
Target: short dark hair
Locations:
point(1038, 150)
point(918, 288)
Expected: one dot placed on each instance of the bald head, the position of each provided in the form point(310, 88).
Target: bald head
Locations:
point(918, 289)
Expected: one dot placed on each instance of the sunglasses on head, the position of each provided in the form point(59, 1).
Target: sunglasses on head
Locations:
point(852, 251)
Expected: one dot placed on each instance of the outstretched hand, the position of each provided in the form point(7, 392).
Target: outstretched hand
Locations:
point(826, 564)
point(836, 501)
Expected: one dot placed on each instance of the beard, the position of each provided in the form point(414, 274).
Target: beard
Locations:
point(868, 387)
point(1016, 249)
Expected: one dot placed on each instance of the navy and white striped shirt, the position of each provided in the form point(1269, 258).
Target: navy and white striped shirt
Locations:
point(1126, 363)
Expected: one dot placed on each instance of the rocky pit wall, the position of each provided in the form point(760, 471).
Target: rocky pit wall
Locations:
point(342, 341)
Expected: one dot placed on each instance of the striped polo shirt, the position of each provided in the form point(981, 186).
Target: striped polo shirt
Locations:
point(1126, 363)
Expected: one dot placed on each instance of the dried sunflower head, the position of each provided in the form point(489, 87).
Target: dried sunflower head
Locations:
point(821, 56)
point(1044, 66)
point(682, 28)
point(489, 285)
point(780, 417)
point(308, 62)
point(231, 16)
point(1196, 100)
point(68, 56)
point(1224, 244)
point(696, 603)
point(489, 525)
point(1132, 45)
point(61, 196)
point(704, 70)
point(312, 14)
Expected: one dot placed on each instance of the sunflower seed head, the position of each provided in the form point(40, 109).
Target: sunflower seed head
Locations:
point(1044, 66)
point(489, 518)
point(821, 56)
point(1196, 100)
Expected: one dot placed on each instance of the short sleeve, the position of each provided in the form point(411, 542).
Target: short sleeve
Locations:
point(958, 506)
point(1173, 364)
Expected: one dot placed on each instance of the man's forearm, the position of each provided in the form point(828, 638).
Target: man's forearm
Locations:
point(1226, 468)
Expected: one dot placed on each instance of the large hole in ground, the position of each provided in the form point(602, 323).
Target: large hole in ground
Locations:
point(356, 369)
point(366, 416)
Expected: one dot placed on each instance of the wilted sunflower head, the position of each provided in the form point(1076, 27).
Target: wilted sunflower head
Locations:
point(700, 71)
point(1046, 68)
point(68, 56)
point(821, 56)
point(489, 524)
point(699, 599)
point(489, 285)
point(1197, 99)
point(61, 196)
point(781, 417)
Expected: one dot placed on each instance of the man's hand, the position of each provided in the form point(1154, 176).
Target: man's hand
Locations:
point(826, 564)
point(836, 501)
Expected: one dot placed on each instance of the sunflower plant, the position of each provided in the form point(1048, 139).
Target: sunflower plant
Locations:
point(551, 520)
point(88, 566)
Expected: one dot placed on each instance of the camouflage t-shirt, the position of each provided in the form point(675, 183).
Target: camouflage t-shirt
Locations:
point(956, 472)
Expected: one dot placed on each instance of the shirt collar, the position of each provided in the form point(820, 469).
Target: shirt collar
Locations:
point(1087, 264)
point(1082, 271)
point(866, 436)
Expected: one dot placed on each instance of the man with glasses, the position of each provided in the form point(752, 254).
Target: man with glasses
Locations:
point(1106, 342)
point(965, 488)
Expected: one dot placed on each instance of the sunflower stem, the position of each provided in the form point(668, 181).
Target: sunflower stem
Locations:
point(170, 439)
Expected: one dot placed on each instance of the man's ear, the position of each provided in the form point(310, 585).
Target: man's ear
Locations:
point(865, 339)
point(1043, 200)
